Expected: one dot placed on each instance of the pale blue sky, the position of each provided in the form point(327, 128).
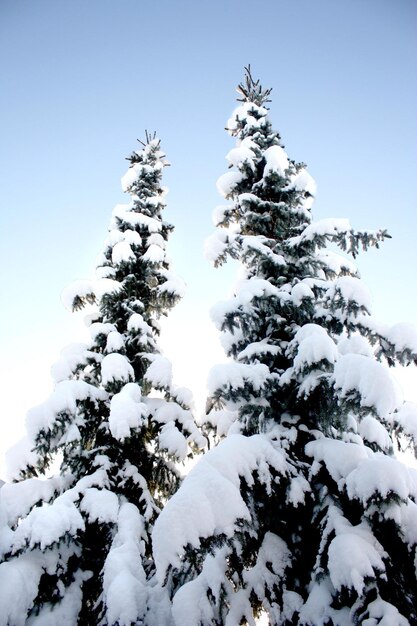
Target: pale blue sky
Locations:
point(81, 80)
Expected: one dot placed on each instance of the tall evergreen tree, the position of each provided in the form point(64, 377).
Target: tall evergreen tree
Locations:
point(77, 549)
point(302, 512)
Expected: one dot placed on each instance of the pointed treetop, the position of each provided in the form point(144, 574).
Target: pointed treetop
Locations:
point(149, 138)
point(252, 90)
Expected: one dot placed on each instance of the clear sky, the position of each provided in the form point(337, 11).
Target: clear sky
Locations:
point(80, 80)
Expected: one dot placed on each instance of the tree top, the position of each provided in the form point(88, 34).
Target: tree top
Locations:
point(252, 90)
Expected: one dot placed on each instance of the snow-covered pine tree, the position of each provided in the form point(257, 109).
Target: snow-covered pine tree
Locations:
point(78, 550)
point(302, 512)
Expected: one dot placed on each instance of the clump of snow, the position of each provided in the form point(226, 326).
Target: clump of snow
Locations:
point(122, 253)
point(403, 336)
point(159, 372)
point(256, 243)
point(303, 181)
point(381, 476)
point(214, 483)
point(18, 498)
point(100, 505)
point(127, 412)
point(356, 375)
point(154, 254)
point(371, 430)
point(100, 328)
point(48, 524)
point(173, 284)
point(276, 161)
point(79, 289)
point(20, 456)
point(313, 346)
point(328, 227)
point(339, 457)
point(216, 245)
point(71, 357)
point(351, 290)
point(64, 399)
point(406, 417)
point(227, 183)
point(115, 342)
point(355, 344)
point(242, 155)
point(124, 580)
point(19, 586)
point(104, 286)
point(173, 441)
point(300, 291)
point(384, 614)
point(237, 376)
point(219, 213)
point(116, 367)
point(250, 113)
point(352, 559)
point(222, 420)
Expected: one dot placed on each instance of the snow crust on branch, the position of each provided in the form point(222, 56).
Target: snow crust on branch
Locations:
point(214, 483)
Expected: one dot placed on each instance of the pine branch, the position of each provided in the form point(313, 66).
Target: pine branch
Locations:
point(252, 90)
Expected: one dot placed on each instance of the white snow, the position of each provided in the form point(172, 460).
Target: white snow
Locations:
point(115, 342)
point(78, 289)
point(355, 344)
point(381, 476)
point(219, 212)
point(257, 243)
point(241, 155)
point(258, 348)
point(227, 183)
point(247, 112)
point(216, 244)
point(403, 336)
point(372, 431)
point(384, 614)
point(130, 177)
point(173, 284)
point(299, 291)
point(100, 328)
point(355, 374)
point(314, 346)
point(100, 505)
point(18, 498)
point(328, 227)
point(20, 456)
point(173, 441)
point(237, 376)
point(352, 559)
point(127, 412)
point(65, 612)
point(154, 254)
point(125, 213)
point(64, 399)
point(406, 417)
point(71, 356)
point(124, 580)
point(303, 181)
point(122, 253)
point(222, 420)
point(339, 457)
point(276, 161)
point(352, 290)
point(48, 524)
point(214, 485)
point(116, 367)
point(19, 586)
point(159, 372)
